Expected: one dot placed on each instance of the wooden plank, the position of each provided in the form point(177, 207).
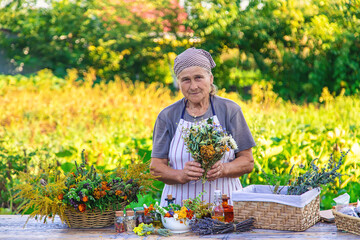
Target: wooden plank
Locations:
point(11, 227)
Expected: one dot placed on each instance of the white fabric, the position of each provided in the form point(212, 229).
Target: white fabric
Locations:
point(263, 193)
point(178, 156)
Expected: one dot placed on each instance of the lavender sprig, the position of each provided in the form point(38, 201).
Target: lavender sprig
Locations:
point(209, 226)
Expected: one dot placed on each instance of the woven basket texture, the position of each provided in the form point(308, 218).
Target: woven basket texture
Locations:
point(90, 219)
point(345, 222)
point(276, 216)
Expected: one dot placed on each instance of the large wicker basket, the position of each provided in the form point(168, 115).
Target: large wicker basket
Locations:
point(345, 222)
point(90, 219)
point(279, 216)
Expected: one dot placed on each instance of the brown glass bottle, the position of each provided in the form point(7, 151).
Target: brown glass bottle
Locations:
point(228, 209)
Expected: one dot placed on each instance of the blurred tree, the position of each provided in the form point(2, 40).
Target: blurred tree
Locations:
point(300, 46)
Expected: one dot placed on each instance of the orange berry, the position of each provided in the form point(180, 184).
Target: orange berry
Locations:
point(60, 196)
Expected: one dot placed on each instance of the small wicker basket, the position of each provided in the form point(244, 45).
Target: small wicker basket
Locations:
point(277, 215)
point(345, 222)
point(270, 215)
point(90, 219)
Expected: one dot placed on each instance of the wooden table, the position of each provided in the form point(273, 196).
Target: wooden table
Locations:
point(11, 227)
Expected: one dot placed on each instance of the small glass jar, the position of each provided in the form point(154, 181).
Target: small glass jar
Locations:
point(156, 219)
point(130, 221)
point(148, 219)
point(140, 217)
point(119, 222)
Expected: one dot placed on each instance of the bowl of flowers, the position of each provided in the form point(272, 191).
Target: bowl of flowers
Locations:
point(83, 198)
point(175, 218)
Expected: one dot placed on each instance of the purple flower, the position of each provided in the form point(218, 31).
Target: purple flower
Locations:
point(130, 181)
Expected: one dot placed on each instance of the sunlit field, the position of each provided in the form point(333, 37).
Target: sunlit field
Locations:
point(44, 118)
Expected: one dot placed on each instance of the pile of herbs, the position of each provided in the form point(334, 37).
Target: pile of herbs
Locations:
point(209, 226)
point(314, 177)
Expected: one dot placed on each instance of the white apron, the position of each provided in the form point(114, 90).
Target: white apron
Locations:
point(178, 156)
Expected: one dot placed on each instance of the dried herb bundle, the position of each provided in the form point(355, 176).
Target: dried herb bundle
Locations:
point(209, 226)
point(315, 177)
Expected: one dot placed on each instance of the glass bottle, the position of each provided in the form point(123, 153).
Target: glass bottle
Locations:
point(170, 199)
point(119, 222)
point(228, 209)
point(130, 221)
point(218, 210)
point(140, 217)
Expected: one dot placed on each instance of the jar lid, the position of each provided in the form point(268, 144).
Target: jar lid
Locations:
point(119, 213)
point(130, 213)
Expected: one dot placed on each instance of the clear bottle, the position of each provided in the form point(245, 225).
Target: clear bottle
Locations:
point(218, 210)
point(119, 222)
point(170, 199)
point(228, 209)
point(130, 221)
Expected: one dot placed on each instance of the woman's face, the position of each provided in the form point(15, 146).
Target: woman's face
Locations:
point(195, 83)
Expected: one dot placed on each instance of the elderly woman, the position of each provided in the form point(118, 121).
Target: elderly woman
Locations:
point(171, 161)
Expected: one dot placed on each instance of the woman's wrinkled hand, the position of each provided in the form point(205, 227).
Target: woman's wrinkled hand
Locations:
point(216, 171)
point(192, 171)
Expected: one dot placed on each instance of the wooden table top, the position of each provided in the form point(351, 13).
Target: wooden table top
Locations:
point(11, 227)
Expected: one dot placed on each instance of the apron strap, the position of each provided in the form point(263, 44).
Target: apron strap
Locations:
point(183, 111)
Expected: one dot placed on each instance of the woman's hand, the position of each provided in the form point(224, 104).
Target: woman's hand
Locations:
point(216, 171)
point(192, 171)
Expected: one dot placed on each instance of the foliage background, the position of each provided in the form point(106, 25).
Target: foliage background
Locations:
point(49, 119)
point(293, 66)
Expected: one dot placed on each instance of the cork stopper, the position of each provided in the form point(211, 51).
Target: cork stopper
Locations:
point(169, 197)
point(140, 211)
point(119, 213)
point(130, 213)
point(224, 196)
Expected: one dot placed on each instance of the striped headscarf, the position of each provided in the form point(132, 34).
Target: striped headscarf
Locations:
point(193, 57)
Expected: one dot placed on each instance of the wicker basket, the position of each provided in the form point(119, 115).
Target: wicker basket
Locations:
point(345, 222)
point(90, 219)
point(278, 216)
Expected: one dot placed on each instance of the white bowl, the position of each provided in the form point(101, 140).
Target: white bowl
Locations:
point(175, 226)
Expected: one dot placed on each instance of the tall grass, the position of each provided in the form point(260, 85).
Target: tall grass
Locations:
point(56, 118)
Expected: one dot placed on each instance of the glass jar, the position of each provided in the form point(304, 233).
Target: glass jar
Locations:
point(119, 222)
point(148, 219)
point(130, 221)
point(156, 219)
point(140, 217)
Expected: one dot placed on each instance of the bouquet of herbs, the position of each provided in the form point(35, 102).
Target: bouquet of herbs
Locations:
point(147, 229)
point(207, 142)
point(199, 208)
point(175, 211)
point(51, 191)
point(314, 177)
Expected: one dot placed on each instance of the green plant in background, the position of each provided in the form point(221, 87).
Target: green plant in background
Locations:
point(116, 124)
point(277, 182)
point(316, 177)
point(12, 162)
